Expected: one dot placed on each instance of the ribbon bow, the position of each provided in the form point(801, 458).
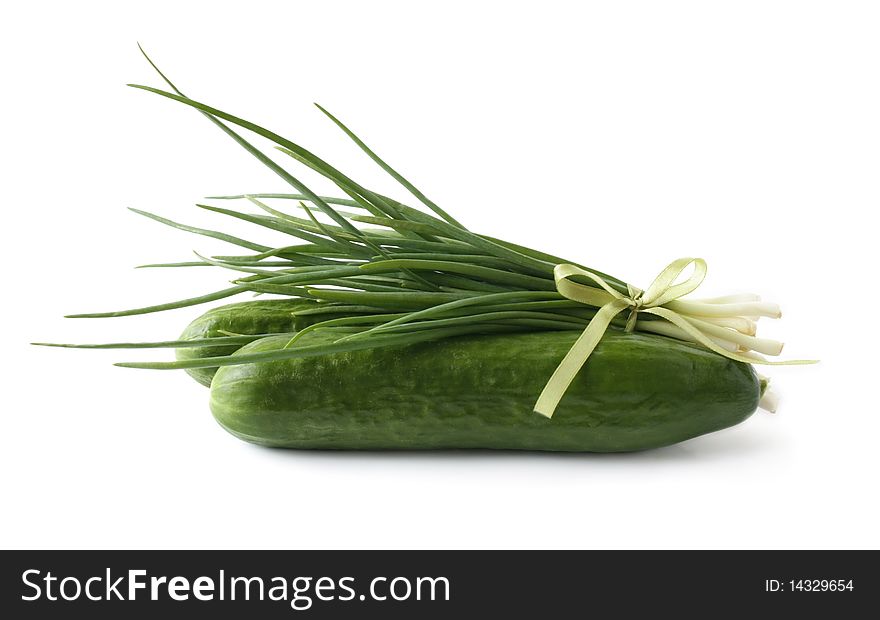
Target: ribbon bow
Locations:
point(711, 323)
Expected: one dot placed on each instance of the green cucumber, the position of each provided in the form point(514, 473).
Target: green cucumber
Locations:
point(250, 317)
point(635, 392)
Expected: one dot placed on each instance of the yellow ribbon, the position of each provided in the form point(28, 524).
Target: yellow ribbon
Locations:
point(610, 302)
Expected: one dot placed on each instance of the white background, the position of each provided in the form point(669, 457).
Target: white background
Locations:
point(623, 135)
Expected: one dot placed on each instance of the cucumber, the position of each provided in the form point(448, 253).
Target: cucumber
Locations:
point(635, 392)
point(250, 317)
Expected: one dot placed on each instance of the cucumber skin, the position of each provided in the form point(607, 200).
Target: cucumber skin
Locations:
point(635, 392)
point(249, 317)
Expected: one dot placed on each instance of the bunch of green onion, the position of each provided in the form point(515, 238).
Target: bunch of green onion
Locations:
point(397, 275)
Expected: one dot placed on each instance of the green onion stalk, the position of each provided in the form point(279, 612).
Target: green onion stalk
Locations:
point(393, 274)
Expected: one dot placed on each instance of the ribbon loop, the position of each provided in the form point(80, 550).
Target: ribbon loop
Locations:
point(662, 289)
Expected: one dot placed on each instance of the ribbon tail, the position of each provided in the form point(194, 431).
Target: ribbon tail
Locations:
point(568, 368)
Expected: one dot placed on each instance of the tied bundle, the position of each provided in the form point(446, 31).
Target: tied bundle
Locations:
point(380, 273)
